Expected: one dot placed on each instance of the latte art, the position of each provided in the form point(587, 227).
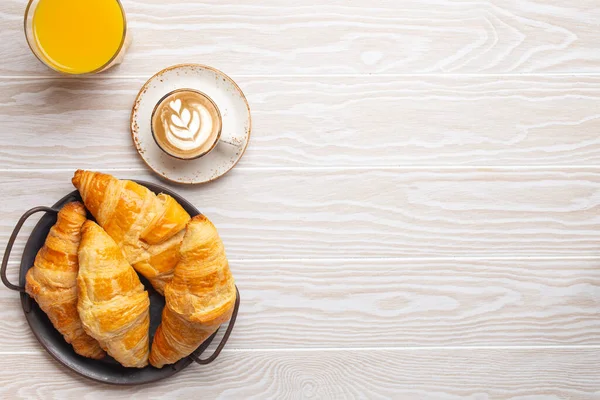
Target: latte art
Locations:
point(186, 124)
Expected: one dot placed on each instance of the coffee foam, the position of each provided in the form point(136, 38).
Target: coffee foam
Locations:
point(186, 124)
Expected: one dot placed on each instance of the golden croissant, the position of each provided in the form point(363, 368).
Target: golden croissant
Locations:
point(199, 298)
point(52, 281)
point(113, 305)
point(148, 227)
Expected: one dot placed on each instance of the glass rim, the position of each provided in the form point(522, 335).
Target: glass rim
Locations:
point(97, 70)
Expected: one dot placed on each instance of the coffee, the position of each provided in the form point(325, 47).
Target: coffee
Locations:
point(186, 124)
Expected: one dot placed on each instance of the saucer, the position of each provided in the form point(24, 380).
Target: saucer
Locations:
point(235, 131)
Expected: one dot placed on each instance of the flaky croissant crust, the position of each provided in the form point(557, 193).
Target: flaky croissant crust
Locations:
point(199, 298)
point(52, 281)
point(112, 304)
point(148, 227)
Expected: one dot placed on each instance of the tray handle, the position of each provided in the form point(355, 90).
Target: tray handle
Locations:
point(11, 242)
point(196, 357)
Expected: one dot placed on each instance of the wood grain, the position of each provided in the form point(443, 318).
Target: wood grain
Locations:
point(314, 37)
point(381, 374)
point(396, 303)
point(321, 213)
point(68, 123)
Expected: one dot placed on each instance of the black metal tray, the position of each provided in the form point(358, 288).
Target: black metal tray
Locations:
point(106, 370)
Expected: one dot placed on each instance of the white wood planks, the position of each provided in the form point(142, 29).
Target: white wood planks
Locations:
point(396, 212)
point(341, 37)
point(446, 374)
point(345, 303)
point(333, 122)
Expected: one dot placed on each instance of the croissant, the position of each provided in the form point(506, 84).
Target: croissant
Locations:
point(199, 298)
point(113, 305)
point(52, 281)
point(148, 227)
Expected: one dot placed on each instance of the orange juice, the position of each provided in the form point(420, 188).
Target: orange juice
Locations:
point(78, 36)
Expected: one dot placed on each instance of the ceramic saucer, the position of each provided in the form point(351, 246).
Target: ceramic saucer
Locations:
point(236, 123)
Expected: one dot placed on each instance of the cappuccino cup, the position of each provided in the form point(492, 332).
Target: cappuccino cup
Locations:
point(186, 124)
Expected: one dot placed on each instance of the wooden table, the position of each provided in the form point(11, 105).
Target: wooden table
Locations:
point(417, 215)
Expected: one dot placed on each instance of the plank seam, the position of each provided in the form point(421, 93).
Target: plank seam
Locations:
point(410, 258)
point(383, 348)
point(348, 168)
point(347, 75)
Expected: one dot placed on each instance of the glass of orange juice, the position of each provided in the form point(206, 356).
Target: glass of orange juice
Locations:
point(77, 36)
